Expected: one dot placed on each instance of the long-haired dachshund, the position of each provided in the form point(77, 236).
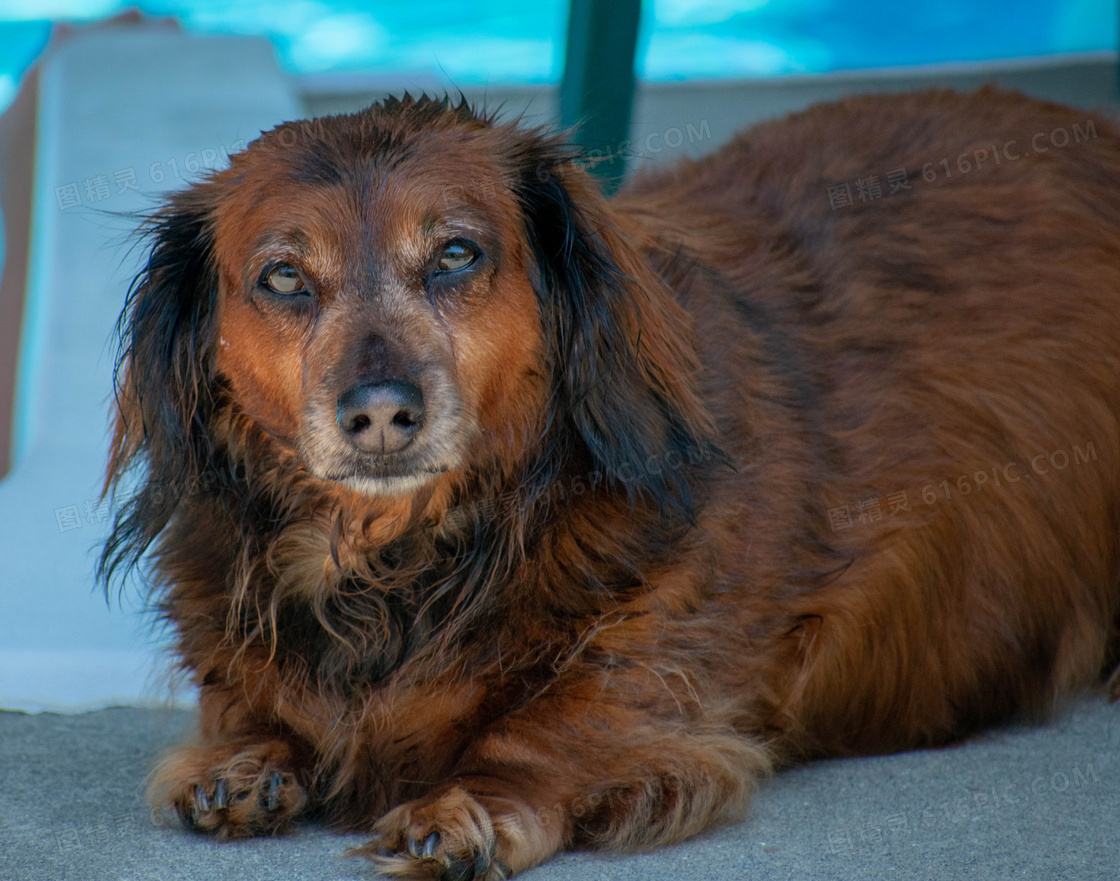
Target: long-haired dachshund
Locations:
point(493, 517)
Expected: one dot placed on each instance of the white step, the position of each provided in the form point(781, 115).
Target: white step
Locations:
point(114, 106)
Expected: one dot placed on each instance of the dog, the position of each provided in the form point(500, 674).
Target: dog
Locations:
point(493, 517)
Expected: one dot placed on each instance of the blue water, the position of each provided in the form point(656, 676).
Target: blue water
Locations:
point(501, 41)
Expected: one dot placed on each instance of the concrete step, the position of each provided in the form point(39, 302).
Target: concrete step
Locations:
point(124, 116)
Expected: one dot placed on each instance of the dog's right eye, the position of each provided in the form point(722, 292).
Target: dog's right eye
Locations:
point(284, 280)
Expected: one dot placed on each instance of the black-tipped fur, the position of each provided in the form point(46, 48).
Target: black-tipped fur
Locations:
point(640, 431)
point(164, 378)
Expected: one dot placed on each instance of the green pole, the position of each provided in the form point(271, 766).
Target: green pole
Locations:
point(597, 91)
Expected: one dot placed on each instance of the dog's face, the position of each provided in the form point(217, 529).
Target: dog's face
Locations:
point(404, 299)
point(374, 306)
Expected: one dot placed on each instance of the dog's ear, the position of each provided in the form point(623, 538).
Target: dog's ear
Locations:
point(623, 354)
point(161, 444)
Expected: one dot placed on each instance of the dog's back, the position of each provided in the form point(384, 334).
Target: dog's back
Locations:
point(910, 323)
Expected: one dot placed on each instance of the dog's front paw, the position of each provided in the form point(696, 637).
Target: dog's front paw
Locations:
point(232, 791)
point(448, 837)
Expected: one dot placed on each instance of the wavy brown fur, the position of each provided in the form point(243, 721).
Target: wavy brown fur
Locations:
point(615, 600)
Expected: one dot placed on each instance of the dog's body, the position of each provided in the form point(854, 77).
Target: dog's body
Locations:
point(717, 476)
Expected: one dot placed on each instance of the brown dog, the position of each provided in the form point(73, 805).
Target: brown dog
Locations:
point(495, 518)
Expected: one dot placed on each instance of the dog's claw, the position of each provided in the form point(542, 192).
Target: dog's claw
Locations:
point(221, 793)
point(459, 870)
point(481, 864)
point(414, 846)
point(274, 791)
point(430, 845)
point(201, 797)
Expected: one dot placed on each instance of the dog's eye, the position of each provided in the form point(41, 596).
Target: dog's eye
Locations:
point(456, 255)
point(284, 279)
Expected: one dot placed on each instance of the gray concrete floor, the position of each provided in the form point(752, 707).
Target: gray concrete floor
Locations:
point(1038, 803)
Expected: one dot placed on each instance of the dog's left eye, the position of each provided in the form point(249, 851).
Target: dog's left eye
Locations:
point(284, 279)
point(456, 255)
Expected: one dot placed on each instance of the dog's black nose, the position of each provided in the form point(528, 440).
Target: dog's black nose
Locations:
point(381, 417)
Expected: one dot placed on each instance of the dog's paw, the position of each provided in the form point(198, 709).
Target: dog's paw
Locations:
point(231, 791)
point(450, 837)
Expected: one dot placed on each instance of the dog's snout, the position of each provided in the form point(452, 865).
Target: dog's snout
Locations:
point(381, 417)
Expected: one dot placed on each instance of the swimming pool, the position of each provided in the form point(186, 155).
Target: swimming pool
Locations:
point(506, 41)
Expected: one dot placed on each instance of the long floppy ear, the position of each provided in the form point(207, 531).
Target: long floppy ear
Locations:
point(163, 381)
point(624, 359)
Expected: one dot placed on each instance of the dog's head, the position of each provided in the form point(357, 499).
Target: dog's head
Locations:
point(406, 297)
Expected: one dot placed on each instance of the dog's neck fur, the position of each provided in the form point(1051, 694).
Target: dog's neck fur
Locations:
point(399, 582)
